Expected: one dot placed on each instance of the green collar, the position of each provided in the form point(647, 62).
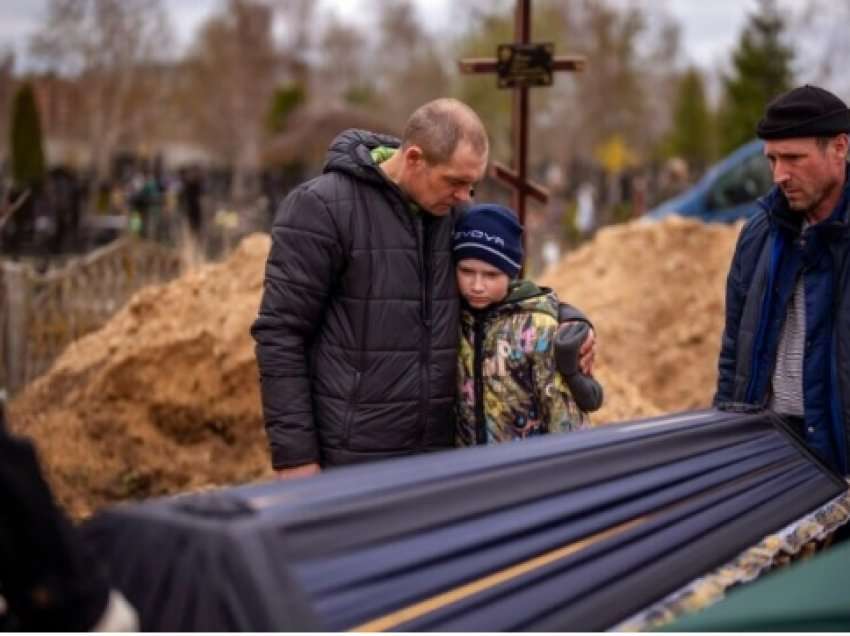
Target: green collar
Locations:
point(379, 155)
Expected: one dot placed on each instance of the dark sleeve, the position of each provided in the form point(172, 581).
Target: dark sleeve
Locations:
point(569, 336)
point(587, 392)
point(48, 577)
point(570, 313)
point(305, 260)
point(727, 362)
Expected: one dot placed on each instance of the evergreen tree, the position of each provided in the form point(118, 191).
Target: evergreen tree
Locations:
point(27, 153)
point(761, 71)
point(692, 134)
point(285, 100)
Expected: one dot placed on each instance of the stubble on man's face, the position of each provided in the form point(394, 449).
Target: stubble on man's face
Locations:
point(805, 174)
point(806, 201)
point(440, 187)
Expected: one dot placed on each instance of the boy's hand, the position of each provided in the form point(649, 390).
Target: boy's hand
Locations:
point(587, 353)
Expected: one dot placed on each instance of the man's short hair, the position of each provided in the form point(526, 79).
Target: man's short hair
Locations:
point(440, 125)
point(822, 142)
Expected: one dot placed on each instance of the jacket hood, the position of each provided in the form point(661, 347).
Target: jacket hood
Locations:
point(524, 295)
point(350, 152)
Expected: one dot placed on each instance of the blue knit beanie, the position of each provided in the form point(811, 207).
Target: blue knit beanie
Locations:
point(490, 233)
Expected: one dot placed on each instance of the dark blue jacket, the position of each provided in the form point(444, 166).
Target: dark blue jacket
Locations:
point(770, 253)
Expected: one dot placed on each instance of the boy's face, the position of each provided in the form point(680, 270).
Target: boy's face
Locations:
point(480, 283)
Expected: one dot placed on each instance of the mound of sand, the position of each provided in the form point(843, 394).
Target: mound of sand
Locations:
point(655, 293)
point(165, 397)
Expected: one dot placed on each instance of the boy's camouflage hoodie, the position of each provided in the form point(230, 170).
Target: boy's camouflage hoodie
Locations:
point(509, 387)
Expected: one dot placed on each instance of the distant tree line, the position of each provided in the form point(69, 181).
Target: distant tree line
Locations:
point(114, 82)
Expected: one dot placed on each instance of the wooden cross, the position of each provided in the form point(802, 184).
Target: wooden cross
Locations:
point(516, 176)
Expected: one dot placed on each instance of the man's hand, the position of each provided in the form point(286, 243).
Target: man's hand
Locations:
point(587, 353)
point(305, 470)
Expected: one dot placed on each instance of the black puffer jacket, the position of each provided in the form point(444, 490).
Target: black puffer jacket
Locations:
point(358, 324)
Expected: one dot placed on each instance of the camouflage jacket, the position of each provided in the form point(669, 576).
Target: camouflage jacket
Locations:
point(508, 385)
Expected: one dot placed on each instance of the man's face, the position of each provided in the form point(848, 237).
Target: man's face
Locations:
point(480, 283)
point(440, 187)
point(806, 173)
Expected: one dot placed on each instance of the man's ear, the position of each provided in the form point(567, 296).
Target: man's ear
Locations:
point(842, 145)
point(413, 156)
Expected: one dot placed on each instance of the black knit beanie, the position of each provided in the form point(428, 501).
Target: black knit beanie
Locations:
point(806, 111)
point(490, 233)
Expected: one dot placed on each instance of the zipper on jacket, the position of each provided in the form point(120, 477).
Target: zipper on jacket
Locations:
point(422, 247)
point(428, 230)
point(478, 375)
point(425, 314)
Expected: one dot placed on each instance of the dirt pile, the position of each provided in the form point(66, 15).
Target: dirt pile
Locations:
point(655, 293)
point(163, 398)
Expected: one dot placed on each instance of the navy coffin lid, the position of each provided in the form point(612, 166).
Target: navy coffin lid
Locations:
point(570, 532)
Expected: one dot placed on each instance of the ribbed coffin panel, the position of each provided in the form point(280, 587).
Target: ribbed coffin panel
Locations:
point(563, 533)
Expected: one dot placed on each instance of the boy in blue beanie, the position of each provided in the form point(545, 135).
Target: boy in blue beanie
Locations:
point(511, 348)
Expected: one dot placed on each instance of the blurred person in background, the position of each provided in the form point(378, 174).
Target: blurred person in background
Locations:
point(585, 209)
point(191, 193)
point(146, 201)
point(674, 179)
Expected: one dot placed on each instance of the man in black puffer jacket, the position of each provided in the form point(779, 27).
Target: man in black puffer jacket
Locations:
point(357, 330)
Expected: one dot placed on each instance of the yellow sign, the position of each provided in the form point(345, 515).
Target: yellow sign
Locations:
point(615, 156)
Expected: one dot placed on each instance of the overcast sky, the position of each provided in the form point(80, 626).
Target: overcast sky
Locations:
point(710, 28)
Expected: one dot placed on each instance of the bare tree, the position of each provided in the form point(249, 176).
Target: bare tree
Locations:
point(7, 81)
point(341, 76)
point(112, 48)
point(409, 67)
point(295, 41)
point(822, 26)
point(232, 73)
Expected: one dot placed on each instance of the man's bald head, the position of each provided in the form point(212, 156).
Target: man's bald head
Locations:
point(440, 125)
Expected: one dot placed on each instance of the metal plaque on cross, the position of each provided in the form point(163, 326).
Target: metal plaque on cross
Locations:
point(521, 65)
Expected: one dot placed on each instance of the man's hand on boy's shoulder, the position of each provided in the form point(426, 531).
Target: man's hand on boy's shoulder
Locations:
point(587, 353)
point(575, 351)
point(571, 356)
point(569, 316)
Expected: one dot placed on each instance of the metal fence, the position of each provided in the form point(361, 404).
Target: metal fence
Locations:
point(41, 314)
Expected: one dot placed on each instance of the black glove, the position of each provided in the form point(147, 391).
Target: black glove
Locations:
point(569, 337)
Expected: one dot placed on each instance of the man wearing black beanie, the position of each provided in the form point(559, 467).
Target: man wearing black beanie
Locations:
point(786, 344)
